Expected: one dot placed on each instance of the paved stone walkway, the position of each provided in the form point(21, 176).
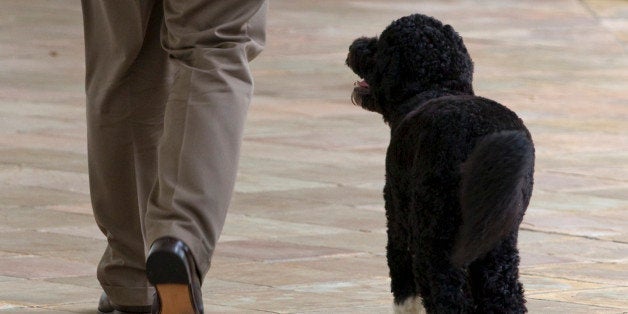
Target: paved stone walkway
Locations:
point(306, 232)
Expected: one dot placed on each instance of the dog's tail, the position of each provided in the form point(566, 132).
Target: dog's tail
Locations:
point(491, 193)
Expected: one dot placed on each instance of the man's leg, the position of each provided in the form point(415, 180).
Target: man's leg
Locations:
point(126, 85)
point(211, 43)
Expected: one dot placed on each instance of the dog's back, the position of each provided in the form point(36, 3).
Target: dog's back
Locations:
point(481, 155)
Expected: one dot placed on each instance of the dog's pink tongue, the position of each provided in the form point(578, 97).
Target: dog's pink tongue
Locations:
point(363, 83)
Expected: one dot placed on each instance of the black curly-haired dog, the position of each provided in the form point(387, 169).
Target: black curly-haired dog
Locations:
point(459, 171)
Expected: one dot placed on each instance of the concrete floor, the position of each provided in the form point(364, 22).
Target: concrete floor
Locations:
point(306, 232)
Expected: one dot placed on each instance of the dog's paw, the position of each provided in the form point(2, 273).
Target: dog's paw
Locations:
point(411, 305)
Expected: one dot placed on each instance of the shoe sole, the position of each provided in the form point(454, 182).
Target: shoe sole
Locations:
point(171, 277)
point(175, 298)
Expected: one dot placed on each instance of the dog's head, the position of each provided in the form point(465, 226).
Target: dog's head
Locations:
point(414, 54)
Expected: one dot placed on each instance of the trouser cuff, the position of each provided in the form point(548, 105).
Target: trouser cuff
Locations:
point(130, 296)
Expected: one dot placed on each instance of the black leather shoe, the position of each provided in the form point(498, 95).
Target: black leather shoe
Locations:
point(106, 307)
point(171, 269)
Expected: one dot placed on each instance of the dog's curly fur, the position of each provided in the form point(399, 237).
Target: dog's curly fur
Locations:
point(459, 170)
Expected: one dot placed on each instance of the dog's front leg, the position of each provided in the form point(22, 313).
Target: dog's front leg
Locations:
point(399, 256)
point(401, 274)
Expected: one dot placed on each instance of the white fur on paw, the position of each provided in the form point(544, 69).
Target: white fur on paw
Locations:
point(411, 305)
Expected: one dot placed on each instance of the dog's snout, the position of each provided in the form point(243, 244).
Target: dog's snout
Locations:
point(360, 51)
point(363, 46)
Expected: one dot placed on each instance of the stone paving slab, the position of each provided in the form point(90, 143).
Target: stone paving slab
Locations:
point(306, 229)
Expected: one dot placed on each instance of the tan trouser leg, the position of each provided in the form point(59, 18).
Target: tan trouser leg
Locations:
point(126, 84)
point(211, 43)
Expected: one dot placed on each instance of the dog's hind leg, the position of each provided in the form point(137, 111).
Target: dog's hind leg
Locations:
point(495, 280)
point(443, 286)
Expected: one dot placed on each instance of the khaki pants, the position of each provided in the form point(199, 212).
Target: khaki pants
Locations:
point(168, 86)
